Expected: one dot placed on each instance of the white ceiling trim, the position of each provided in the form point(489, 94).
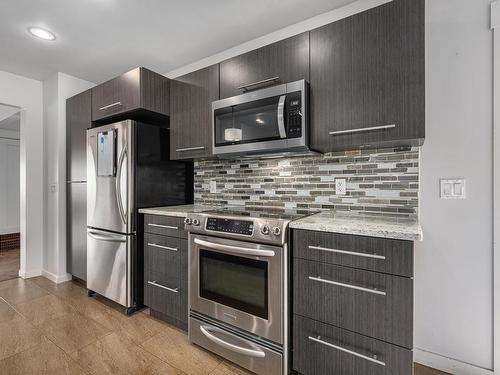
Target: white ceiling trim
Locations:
point(286, 32)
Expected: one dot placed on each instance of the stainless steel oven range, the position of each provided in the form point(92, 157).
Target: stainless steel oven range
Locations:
point(237, 286)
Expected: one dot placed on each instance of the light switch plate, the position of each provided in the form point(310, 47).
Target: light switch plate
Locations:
point(340, 186)
point(213, 187)
point(452, 188)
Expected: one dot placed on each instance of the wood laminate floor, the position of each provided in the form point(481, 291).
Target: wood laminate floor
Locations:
point(9, 264)
point(48, 328)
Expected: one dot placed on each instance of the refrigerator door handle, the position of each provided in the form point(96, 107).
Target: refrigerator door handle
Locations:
point(100, 236)
point(123, 155)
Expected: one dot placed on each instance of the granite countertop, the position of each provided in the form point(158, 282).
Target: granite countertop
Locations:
point(363, 224)
point(178, 211)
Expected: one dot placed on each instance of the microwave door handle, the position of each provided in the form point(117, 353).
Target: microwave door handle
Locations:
point(281, 116)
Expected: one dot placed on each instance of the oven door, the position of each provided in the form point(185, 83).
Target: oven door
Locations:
point(239, 283)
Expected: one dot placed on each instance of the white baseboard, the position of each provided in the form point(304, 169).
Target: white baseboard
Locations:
point(56, 278)
point(446, 364)
point(29, 274)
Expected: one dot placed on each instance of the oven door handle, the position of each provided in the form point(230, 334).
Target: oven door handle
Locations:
point(234, 249)
point(281, 116)
point(235, 348)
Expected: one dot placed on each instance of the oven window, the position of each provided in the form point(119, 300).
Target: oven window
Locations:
point(234, 281)
point(247, 123)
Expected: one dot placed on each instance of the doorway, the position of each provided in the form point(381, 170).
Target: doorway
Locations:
point(10, 207)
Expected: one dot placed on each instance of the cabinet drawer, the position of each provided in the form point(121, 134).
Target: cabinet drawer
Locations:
point(165, 225)
point(165, 276)
point(369, 253)
point(370, 303)
point(170, 303)
point(320, 349)
point(162, 256)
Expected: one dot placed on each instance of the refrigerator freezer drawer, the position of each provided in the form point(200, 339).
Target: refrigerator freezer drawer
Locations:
point(109, 270)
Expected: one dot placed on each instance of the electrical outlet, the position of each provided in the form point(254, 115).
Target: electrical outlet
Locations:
point(213, 187)
point(340, 186)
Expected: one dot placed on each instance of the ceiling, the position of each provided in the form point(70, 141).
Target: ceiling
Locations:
point(98, 39)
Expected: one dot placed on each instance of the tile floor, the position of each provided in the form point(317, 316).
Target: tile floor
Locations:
point(9, 264)
point(48, 328)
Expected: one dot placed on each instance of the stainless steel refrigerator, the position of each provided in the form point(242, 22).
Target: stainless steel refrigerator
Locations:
point(128, 168)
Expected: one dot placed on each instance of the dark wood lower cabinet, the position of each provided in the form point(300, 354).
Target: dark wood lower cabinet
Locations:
point(165, 272)
point(321, 349)
point(370, 303)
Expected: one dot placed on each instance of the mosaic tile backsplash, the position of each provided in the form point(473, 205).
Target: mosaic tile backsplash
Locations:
point(378, 181)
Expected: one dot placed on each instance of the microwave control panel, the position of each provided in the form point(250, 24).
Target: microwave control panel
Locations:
point(294, 115)
point(230, 226)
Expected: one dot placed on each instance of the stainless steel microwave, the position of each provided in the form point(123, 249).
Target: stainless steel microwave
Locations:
point(272, 120)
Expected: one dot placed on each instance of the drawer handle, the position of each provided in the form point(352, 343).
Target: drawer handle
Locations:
point(109, 106)
point(268, 80)
point(359, 130)
point(353, 253)
point(365, 357)
point(190, 148)
point(163, 247)
point(163, 226)
point(154, 283)
point(363, 289)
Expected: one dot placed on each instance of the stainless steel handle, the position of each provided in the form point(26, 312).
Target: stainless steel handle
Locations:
point(361, 288)
point(163, 247)
point(163, 226)
point(110, 106)
point(338, 132)
point(118, 185)
point(281, 120)
point(154, 283)
point(234, 249)
point(106, 237)
point(353, 253)
point(235, 348)
point(190, 148)
point(371, 359)
point(245, 87)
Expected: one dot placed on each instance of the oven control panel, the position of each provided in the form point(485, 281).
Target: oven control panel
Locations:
point(216, 224)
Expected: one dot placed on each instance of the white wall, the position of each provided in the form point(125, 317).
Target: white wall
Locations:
point(27, 94)
point(57, 89)
point(453, 276)
point(9, 185)
point(453, 281)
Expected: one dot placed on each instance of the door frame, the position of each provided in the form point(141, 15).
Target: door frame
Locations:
point(495, 26)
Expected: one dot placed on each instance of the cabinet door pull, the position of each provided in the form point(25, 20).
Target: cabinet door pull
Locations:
point(361, 288)
point(353, 253)
point(373, 358)
point(110, 106)
point(268, 80)
point(163, 226)
point(190, 148)
point(348, 131)
point(154, 283)
point(163, 247)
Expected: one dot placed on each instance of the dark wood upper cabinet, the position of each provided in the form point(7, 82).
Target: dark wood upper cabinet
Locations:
point(191, 98)
point(368, 79)
point(138, 94)
point(78, 120)
point(287, 59)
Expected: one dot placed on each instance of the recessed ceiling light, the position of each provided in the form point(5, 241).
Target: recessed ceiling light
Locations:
point(41, 33)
